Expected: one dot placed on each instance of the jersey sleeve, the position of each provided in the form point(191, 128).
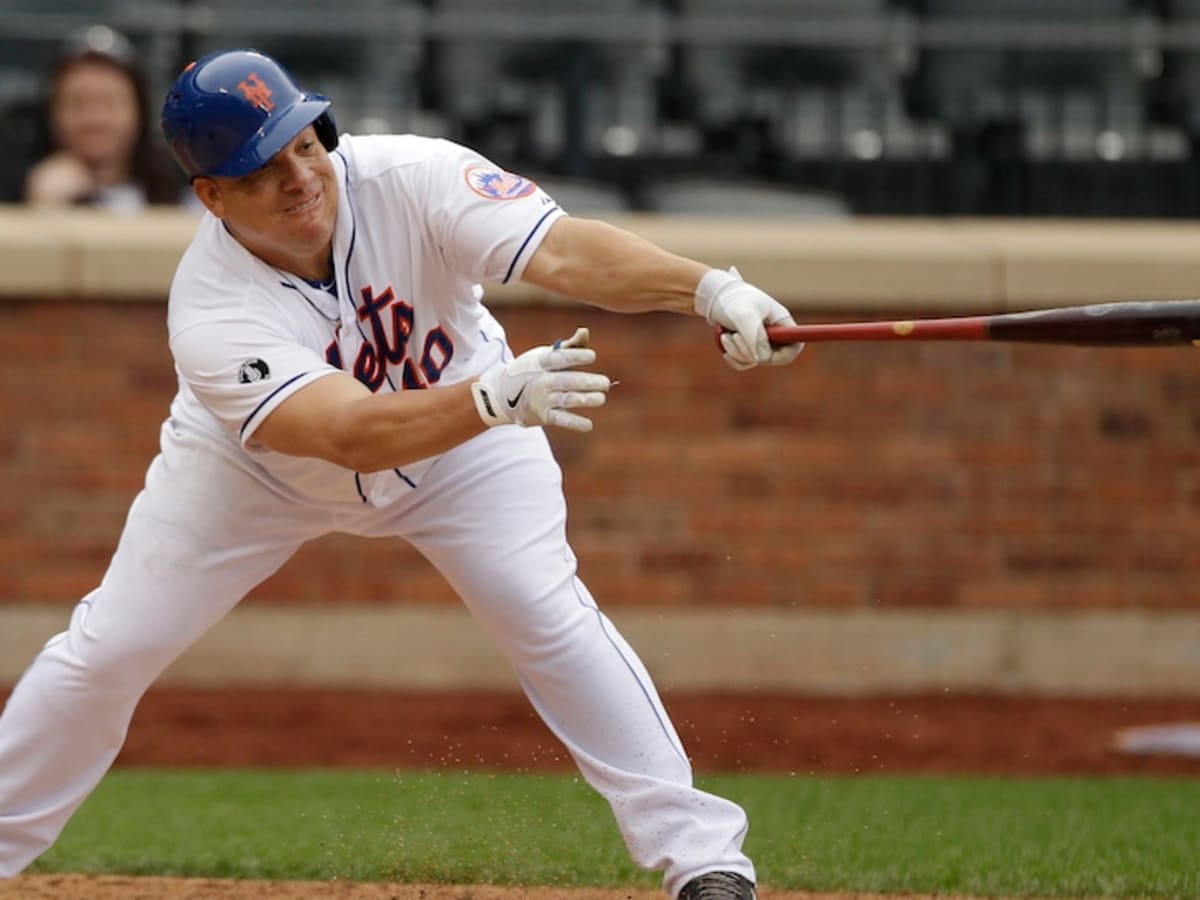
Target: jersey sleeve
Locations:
point(243, 371)
point(488, 222)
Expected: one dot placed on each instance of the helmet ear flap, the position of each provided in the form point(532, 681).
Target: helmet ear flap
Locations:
point(326, 131)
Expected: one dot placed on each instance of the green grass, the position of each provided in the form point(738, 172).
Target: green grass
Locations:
point(1114, 837)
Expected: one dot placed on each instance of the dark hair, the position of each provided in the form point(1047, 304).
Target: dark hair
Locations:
point(99, 45)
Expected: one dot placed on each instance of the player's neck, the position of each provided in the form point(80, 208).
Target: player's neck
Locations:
point(314, 267)
point(319, 269)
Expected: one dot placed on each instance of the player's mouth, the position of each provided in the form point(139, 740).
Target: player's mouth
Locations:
point(305, 205)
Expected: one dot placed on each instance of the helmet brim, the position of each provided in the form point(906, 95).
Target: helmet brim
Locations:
point(275, 134)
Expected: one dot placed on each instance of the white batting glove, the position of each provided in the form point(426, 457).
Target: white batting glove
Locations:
point(536, 389)
point(742, 311)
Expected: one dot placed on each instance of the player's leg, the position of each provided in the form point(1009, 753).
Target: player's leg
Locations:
point(198, 537)
point(497, 532)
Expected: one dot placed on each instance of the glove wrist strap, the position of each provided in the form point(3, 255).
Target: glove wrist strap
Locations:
point(706, 292)
point(488, 406)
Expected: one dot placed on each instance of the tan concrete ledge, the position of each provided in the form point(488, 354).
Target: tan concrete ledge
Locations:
point(1092, 653)
point(89, 254)
point(889, 264)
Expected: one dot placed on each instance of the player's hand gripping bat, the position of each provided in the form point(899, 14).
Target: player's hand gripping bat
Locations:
point(1162, 323)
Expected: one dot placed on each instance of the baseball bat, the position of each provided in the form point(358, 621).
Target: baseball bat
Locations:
point(1159, 323)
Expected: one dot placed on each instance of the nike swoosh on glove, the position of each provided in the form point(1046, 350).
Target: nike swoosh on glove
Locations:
point(538, 388)
point(743, 313)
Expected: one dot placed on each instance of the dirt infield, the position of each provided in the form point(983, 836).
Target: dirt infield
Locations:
point(724, 733)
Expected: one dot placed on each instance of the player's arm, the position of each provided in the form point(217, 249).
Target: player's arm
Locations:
point(337, 419)
point(617, 270)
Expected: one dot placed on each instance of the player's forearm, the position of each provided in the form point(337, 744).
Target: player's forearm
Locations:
point(612, 268)
point(388, 431)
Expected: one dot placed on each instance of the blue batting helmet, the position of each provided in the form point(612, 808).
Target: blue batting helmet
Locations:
point(229, 112)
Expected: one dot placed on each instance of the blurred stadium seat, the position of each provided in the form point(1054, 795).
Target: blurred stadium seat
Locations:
point(808, 79)
point(1181, 67)
point(1019, 107)
point(563, 85)
point(1022, 84)
point(363, 54)
point(1076, 92)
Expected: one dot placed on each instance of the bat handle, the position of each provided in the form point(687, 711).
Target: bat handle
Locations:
point(718, 331)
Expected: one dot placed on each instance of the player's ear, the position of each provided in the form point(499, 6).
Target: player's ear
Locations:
point(208, 192)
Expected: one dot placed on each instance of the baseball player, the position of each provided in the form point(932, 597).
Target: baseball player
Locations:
point(339, 372)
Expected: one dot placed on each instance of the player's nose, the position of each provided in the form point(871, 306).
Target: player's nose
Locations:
point(294, 174)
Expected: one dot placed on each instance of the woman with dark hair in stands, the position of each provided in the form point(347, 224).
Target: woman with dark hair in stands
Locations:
point(100, 150)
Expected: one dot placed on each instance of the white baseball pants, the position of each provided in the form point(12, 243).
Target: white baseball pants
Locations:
point(489, 515)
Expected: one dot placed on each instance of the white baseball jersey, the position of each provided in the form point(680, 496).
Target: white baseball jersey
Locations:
point(421, 222)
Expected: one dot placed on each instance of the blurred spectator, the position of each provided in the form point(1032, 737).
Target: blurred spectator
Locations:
point(99, 149)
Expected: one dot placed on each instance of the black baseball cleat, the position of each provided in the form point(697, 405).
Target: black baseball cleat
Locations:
point(718, 886)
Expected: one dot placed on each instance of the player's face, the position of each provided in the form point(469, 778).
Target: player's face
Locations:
point(284, 212)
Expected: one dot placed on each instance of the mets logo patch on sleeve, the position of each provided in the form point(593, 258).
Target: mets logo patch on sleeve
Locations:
point(496, 184)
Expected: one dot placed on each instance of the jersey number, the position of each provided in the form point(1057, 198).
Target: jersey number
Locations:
point(384, 346)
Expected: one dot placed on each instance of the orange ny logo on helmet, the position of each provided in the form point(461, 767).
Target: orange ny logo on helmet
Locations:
point(256, 92)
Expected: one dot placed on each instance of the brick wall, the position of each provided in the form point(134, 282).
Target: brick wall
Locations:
point(864, 475)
